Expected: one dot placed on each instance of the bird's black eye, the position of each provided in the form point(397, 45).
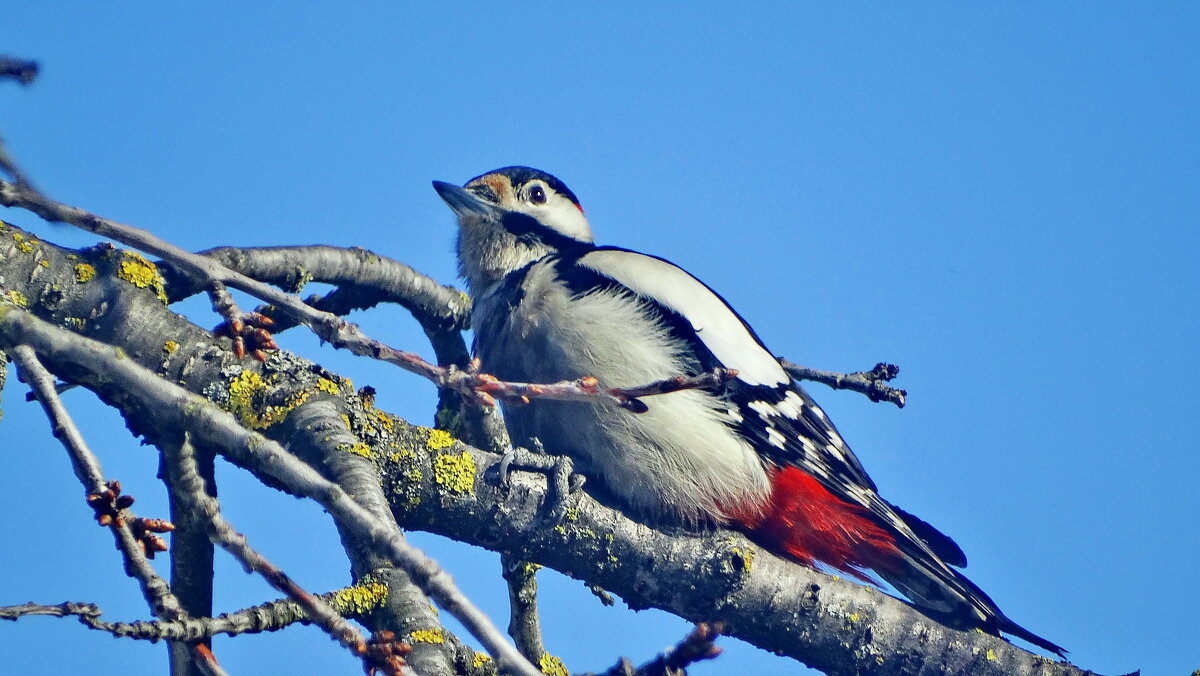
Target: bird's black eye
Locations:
point(537, 195)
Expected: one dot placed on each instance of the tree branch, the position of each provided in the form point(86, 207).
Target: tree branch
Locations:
point(354, 602)
point(179, 411)
point(870, 383)
point(371, 277)
point(21, 70)
point(697, 646)
point(185, 477)
point(134, 546)
point(523, 625)
point(87, 468)
point(316, 431)
point(437, 485)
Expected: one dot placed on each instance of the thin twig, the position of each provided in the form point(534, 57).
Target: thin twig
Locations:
point(155, 589)
point(586, 388)
point(185, 477)
point(870, 383)
point(9, 166)
point(265, 617)
point(65, 609)
point(89, 615)
point(332, 329)
point(215, 428)
point(697, 646)
point(87, 468)
point(203, 657)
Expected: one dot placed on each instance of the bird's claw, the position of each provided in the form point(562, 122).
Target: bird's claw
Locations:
point(559, 471)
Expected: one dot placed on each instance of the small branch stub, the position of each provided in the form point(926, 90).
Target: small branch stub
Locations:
point(21, 70)
point(871, 383)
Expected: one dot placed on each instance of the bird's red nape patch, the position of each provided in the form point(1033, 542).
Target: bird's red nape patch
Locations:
point(807, 523)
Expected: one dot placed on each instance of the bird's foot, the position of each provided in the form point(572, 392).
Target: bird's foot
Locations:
point(559, 471)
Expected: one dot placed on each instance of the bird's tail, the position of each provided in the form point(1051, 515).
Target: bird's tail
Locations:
point(807, 523)
point(939, 588)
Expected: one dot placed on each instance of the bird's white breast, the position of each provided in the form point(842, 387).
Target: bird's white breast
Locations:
point(678, 459)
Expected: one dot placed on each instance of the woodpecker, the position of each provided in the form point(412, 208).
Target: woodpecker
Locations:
point(756, 454)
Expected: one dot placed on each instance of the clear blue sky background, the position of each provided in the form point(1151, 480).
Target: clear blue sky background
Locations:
point(1000, 198)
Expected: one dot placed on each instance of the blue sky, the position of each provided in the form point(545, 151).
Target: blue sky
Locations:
point(1000, 198)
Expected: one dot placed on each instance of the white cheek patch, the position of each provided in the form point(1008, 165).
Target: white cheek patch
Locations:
point(561, 215)
point(715, 324)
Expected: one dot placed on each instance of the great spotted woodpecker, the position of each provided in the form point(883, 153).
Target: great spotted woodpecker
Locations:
point(757, 454)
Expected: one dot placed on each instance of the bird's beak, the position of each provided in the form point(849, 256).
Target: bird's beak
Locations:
point(463, 201)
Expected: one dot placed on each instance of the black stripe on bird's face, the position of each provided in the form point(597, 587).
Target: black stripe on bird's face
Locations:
point(530, 230)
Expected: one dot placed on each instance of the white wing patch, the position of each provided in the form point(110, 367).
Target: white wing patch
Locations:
point(791, 406)
point(763, 409)
point(775, 438)
point(715, 324)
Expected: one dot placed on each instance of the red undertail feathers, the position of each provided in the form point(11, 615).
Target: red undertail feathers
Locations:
point(808, 523)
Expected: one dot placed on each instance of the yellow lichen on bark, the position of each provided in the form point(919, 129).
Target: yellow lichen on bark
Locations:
point(455, 472)
point(135, 269)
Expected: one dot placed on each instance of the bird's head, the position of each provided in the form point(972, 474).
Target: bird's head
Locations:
point(510, 217)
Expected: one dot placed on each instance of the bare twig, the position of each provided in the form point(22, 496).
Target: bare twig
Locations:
point(271, 616)
point(185, 478)
point(176, 408)
point(697, 646)
point(9, 166)
point(203, 657)
point(870, 383)
point(336, 331)
point(132, 536)
point(586, 388)
point(87, 468)
point(21, 70)
point(66, 609)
